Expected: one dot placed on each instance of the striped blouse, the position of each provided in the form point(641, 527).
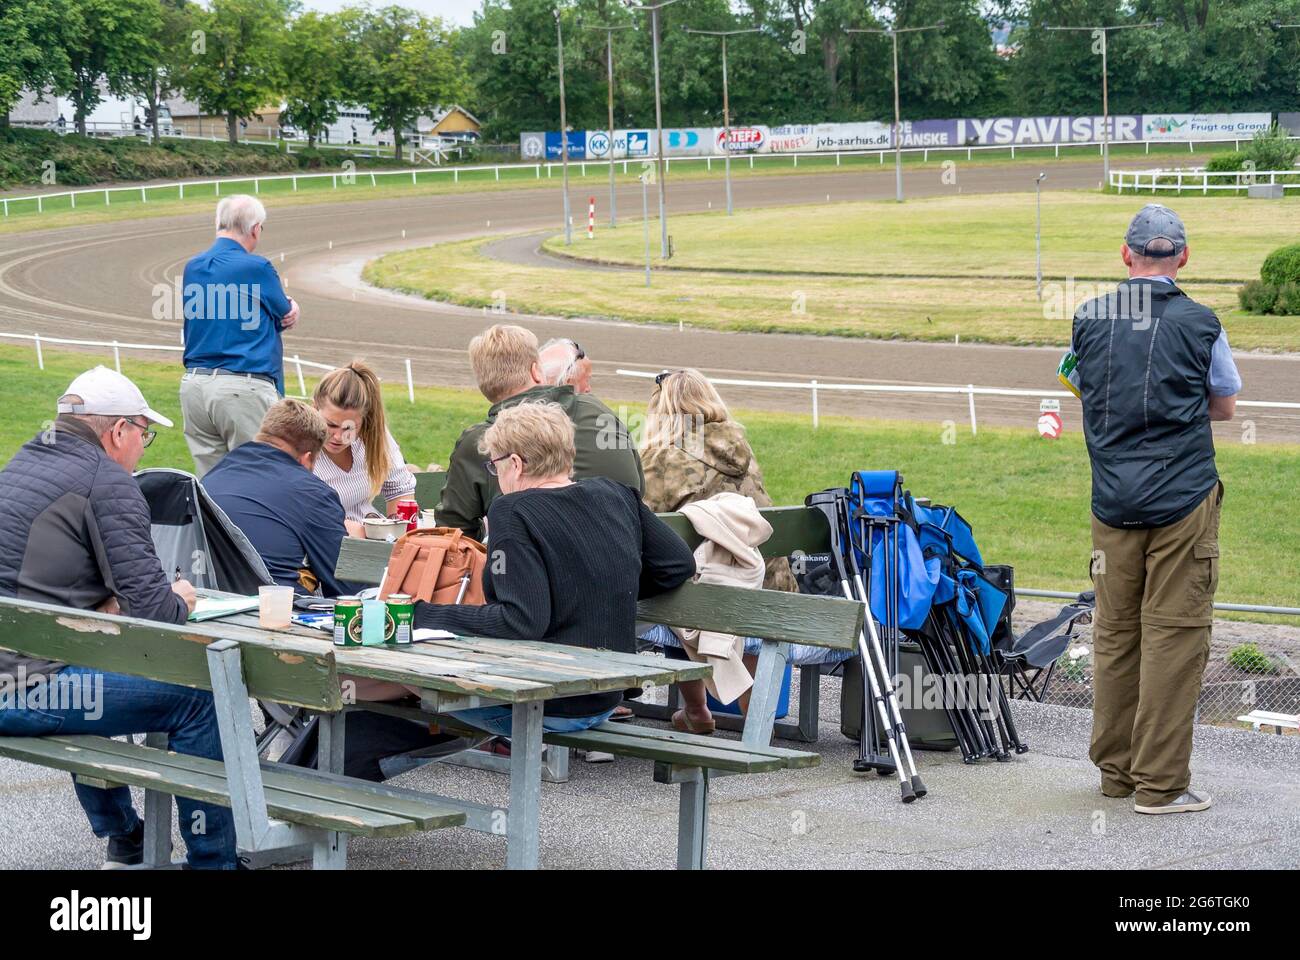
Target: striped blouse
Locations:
point(353, 486)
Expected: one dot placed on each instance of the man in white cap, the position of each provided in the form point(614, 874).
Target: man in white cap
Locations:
point(74, 531)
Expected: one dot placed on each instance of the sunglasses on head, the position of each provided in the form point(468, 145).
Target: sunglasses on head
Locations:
point(580, 354)
point(661, 377)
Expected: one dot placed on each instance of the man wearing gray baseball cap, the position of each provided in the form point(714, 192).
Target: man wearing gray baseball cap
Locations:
point(1152, 368)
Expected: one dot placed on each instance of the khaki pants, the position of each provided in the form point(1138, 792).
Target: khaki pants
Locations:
point(1151, 636)
point(221, 412)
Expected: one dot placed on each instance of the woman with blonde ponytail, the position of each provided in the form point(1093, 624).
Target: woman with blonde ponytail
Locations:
point(361, 459)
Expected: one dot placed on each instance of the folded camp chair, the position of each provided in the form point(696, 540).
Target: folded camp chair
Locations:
point(194, 538)
point(1039, 648)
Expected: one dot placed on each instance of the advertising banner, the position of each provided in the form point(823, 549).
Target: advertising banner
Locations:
point(811, 138)
point(627, 143)
point(927, 133)
point(577, 145)
point(1203, 126)
point(532, 144)
point(1005, 131)
point(742, 140)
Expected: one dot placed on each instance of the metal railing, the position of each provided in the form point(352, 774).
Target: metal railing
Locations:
point(1198, 179)
point(816, 387)
point(546, 169)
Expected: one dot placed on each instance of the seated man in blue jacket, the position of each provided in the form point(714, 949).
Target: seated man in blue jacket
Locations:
point(74, 531)
point(293, 519)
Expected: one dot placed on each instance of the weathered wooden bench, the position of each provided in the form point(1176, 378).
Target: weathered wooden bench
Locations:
point(279, 812)
point(796, 531)
point(689, 760)
point(1267, 718)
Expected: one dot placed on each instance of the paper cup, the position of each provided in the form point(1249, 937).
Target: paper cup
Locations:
point(274, 607)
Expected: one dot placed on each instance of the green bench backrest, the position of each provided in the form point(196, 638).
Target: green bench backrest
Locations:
point(770, 614)
point(288, 670)
point(428, 491)
point(794, 530)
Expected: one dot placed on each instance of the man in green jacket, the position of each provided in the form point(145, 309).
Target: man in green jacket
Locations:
point(506, 366)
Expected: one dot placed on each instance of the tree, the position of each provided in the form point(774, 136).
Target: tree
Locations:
point(111, 41)
point(160, 78)
point(234, 68)
point(313, 62)
point(32, 55)
point(402, 66)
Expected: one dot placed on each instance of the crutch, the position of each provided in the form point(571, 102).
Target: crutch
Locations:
point(831, 504)
point(866, 526)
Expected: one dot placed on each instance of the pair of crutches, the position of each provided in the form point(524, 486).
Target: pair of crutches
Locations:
point(879, 698)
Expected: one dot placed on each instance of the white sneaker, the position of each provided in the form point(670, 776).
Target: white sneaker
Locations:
point(1189, 802)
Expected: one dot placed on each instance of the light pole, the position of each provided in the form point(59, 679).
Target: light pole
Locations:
point(892, 33)
point(609, 29)
point(1101, 33)
point(564, 132)
point(1038, 230)
point(726, 102)
point(659, 120)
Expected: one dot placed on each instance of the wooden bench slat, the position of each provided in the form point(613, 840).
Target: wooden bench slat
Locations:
point(769, 614)
point(681, 754)
point(199, 779)
point(791, 758)
point(285, 670)
point(428, 816)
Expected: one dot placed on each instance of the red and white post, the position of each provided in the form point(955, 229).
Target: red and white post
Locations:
point(591, 218)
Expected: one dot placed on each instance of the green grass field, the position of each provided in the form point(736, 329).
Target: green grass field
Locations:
point(1026, 498)
point(23, 215)
point(930, 269)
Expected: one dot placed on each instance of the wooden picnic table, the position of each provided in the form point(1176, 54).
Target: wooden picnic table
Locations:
point(463, 673)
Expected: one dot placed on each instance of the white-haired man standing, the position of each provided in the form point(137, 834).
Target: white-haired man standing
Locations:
point(235, 310)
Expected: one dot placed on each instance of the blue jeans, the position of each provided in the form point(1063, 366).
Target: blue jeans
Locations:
point(497, 720)
point(125, 705)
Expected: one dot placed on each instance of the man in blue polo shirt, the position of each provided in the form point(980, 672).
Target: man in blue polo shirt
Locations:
point(235, 311)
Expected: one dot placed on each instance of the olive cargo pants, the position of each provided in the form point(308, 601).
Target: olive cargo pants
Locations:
point(1151, 637)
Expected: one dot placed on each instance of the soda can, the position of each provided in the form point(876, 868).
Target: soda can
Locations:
point(409, 511)
point(347, 622)
point(401, 609)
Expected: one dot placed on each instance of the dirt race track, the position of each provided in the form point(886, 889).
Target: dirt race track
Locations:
point(97, 283)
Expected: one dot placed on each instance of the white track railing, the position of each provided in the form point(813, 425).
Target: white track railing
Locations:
point(546, 169)
point(970, 391)
point(1200, 180)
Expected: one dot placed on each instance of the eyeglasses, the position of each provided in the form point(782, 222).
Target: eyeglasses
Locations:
point(144, 429)
point(491, 465)
point(661, 377)
point(579, 353)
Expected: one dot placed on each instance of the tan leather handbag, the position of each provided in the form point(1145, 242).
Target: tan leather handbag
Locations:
point(439, 565)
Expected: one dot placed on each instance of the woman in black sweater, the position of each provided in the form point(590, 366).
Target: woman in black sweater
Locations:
point(567, 560)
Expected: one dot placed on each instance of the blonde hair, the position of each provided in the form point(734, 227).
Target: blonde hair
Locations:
point(356, 387)
point(295, 423)
point(502, 357)
point(540, 433)
point(684, 398)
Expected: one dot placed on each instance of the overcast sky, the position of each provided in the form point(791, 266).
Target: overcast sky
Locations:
point(457, 12)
